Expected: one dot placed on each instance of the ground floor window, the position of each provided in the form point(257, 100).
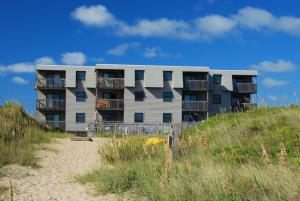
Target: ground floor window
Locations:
point(80, 117)
point(167, 117)
point(107, 117)
point(138, 117)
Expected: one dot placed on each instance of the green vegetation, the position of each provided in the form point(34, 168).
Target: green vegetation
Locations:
point(244, 156)
point(19, 136)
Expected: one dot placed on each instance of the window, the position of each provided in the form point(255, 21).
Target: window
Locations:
point(217, 79)
point(139, 75)
point(167, 117)
point(80, 96)
point(109, 117)
point(139, 96)
point(138, 117)
point(167, 96)
point(80, 117)
point(167, 75)
point(217, 99)
point(80, 75)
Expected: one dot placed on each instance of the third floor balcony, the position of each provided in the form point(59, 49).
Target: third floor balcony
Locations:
point(111, 83)
point(195, 85)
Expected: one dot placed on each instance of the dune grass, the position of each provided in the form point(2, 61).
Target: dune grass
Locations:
point(20, 136)
point(243, 156)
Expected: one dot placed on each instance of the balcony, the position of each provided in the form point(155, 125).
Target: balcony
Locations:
point(196, 85)
point(111, 83)
point(50, 104)
point(246, 88)
point(244, 106)
point(196, 106)
point(59, 125)
point(50, 83)
point(110, 104)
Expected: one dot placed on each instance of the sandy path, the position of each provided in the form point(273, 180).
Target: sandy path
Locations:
point(55, 179)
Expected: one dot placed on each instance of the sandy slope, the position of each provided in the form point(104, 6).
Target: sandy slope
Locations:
point(54, 180)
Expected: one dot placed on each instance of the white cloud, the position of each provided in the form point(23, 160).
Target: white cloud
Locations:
point(215, 24)
point(157, 52)
point(277, 67)
point(45, 61)
point(254, 18)
point(121, 49)
point(73, 58)
point(270, 82)
point(98, 59)
point(201, 28)
point(19, 80)
point(96, 15)
point(18, 68)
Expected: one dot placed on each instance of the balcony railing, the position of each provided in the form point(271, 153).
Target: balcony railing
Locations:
point(60, 125)
point(111, 83)
point(244, 106)
point(50, 104)
point(50, 83)
point(246, 87)
point(110, 104)
point(196, 85)
point(200, 106)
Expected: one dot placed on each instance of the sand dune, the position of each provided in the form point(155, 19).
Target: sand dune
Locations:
point(55, 179)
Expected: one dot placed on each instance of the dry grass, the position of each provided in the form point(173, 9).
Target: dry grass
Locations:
point(244, 156)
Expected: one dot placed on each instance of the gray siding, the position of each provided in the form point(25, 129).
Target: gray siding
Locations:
point(129, 77)
point(154, 78)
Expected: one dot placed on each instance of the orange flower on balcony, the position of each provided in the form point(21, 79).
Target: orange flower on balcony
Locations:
point(101, 103)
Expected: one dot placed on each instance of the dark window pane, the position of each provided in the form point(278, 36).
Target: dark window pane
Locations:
point(217, 99)
point(167, 96)
point(167, 117)
point(109, 117)
point(139, 96)
point(80, 96)
point(80, 117)
point(139, 75)
point(138, 117)
point(167, 75)
point(217, 79)
point(80, 75)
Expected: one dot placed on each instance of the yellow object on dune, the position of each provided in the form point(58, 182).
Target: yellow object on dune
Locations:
point(154, 141)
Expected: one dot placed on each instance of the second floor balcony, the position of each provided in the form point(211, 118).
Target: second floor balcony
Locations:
point(111, 83)
point(50, 104)
point(50, 83)
point(110, 104)
point(246, 88)
point(196, 106)
point(195, 85)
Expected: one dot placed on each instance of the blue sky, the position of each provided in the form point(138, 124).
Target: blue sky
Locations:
point(221, 34)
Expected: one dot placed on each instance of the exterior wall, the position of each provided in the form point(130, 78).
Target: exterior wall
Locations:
point(153, 86)
point(73, 107)
point(153, 106)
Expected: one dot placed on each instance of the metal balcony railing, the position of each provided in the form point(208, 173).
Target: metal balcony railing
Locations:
point(246, 88)
point(60, 125)
point(50, 83)
point(110, 104)
point(111, 83)
point(50, 104)
point(248, 106)
point(200, 106)
point(196, 85)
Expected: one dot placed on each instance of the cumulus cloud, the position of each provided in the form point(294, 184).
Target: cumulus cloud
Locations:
point(121, 49)
point(18, 80)
point(215, 24)
point(18, 68)
point(96, 15)
point(73, 58)
point(270, 82)
point(45, 61)
point(277, 67)
point(201, 28)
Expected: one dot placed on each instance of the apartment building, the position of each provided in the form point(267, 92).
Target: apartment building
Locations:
point(71, 97)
